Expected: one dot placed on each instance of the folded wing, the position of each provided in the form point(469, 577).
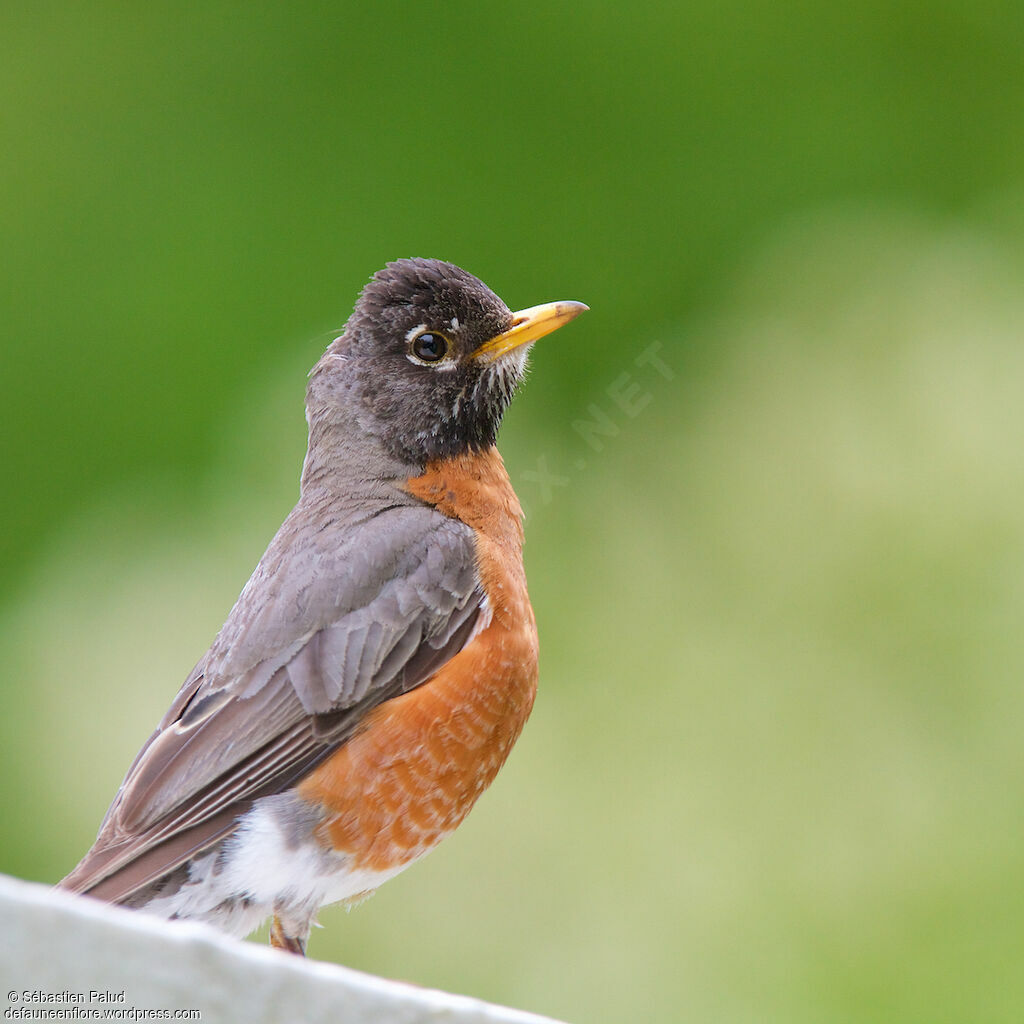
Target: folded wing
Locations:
point(329, 627)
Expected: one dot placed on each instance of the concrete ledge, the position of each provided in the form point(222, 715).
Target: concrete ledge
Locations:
point(56, 949)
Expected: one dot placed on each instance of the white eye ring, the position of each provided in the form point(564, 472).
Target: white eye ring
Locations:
point(429, 348)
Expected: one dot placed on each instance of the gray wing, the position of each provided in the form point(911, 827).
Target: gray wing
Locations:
point(332, 623)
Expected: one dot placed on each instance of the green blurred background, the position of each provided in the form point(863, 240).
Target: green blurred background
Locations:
point(775, 771)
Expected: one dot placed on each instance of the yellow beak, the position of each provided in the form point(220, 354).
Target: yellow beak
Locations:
point(528, 325)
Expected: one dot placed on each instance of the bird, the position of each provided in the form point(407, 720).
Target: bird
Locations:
point(381, 661)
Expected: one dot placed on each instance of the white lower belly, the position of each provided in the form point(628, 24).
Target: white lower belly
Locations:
point(272, 864)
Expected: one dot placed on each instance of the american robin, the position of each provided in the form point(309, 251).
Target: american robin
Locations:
point(381, 661)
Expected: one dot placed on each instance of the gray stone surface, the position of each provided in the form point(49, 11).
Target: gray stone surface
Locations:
point(56, 950)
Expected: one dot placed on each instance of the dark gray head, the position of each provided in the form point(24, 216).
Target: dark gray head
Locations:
point(429, 361)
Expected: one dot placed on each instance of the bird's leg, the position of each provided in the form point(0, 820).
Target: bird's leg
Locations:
point(281, 937)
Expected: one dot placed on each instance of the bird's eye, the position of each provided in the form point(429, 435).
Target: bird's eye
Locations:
point(430, 347)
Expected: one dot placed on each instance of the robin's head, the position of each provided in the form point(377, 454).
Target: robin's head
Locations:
point(429, 360)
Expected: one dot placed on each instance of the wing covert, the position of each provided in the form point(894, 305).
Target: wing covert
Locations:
point(387, 606)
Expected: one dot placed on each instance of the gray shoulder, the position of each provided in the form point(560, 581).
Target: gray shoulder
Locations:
point(329, 562)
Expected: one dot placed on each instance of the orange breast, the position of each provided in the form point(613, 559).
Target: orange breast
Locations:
point(395, 789)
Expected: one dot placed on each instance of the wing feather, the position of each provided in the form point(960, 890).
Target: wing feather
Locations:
point(383, 606)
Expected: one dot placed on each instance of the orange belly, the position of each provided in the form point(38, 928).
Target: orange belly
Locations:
point(415, 769)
